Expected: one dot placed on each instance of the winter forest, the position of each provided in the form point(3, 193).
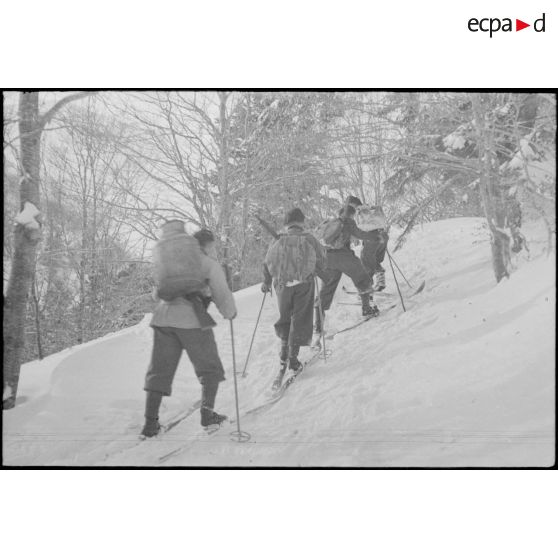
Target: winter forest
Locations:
point(89, 177)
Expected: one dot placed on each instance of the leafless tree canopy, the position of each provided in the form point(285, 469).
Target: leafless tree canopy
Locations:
point(106, 169)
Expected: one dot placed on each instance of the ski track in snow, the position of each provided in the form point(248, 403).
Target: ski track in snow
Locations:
point(466, 377)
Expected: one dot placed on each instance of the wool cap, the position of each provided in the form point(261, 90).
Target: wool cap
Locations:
point(294, 216)
point(204, 236)
point(353, 200)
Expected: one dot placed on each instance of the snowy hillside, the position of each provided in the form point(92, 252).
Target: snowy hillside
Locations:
point(466, 377)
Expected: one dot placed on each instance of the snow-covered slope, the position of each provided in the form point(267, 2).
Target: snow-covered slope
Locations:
point(466, 377)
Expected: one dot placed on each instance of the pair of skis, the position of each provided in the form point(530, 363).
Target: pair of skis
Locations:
point(276, 397)
point(418, 290)
point(279, 393)
point(360, 322)
point(176, 420)
point(172, 423)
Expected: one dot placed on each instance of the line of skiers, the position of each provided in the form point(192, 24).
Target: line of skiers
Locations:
point(188, 277)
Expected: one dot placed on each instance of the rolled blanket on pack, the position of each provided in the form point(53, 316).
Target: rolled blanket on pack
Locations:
point(370, 218)
point(200, 309)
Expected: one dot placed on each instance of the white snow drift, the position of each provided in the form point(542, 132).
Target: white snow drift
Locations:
point(466, 377)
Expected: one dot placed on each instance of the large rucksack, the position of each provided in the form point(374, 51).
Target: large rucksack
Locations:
point(370, 218)
point(178, 263)
point(330, 233)
point(291, 258)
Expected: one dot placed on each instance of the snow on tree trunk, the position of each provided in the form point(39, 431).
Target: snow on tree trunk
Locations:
point(26, 239)
point(27, 235)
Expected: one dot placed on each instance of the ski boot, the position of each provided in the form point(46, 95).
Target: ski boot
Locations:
point(371, 311)
point(152, 403)
point(279, 378)
point(210, 420)
point(368, 310)
point(295, 365)
point(151, 428)
point(283, 356)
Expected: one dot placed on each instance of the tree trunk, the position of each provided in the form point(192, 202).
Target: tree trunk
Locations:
point(491, 196)
point(25, 247)
point(224, 188)
point(26, 239)
point(37, 319)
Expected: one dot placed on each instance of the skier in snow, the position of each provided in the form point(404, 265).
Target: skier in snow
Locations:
point(177, 327)
point(371, 219)
point(291, 264)
point(341, 259)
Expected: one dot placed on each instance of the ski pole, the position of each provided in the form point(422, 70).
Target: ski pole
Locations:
point(239, 436)
point(321, 317)
point(398, 268)
point(397, 284)
point(253, 336)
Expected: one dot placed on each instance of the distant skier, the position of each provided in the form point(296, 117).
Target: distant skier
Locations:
point(336, 235)
point(372, 219)
point(291, 264)
point(182, 272)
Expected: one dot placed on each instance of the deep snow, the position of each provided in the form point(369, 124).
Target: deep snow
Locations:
point(466, 377)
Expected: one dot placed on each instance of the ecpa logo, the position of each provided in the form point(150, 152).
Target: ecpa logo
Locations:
point(494, 24)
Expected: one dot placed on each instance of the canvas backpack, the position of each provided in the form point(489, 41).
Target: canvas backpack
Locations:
point(177, 259)
point(291, 258)
point(370, 218)
point(330, 233)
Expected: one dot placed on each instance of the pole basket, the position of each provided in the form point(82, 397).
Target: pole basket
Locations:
point(239, 436)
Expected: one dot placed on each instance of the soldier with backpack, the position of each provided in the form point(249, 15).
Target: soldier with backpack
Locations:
point(372, 219)
point(291, 263)
point(335, 235)
point(182, 272)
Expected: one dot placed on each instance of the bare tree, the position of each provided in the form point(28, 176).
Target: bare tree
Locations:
point(31, 126)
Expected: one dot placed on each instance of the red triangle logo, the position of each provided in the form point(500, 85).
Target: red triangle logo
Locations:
point(519, 25)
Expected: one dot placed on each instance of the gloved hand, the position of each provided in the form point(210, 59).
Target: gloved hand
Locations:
point(265, 288)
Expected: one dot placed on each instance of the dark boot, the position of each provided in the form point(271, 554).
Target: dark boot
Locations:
point(283, 357)
point(208, 415)
point(279, 378)
point(367, 308)
point(152, 403)
point(151, 428)
point(294, 363)
point(371, 311)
